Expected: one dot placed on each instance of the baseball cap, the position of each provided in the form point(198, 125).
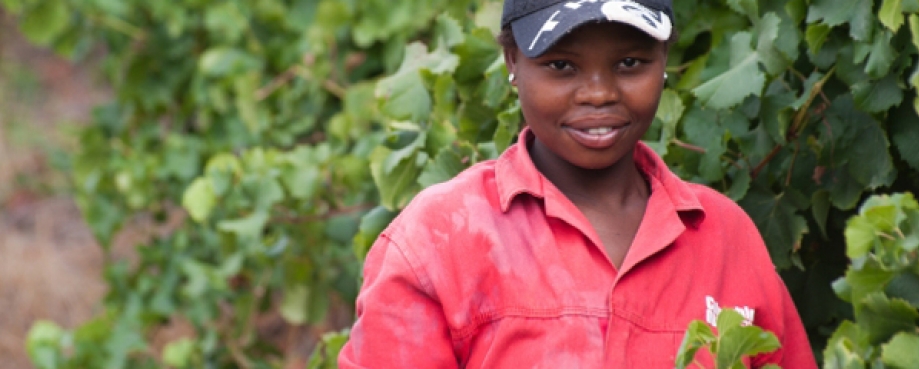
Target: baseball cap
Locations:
point(539, 24)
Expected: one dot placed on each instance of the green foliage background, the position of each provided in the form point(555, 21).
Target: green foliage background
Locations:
point(292, 131)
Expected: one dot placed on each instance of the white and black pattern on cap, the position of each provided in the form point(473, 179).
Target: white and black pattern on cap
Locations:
point(653, 22)
point(539, 30)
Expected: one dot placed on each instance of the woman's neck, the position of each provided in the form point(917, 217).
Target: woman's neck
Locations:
point(617, 186)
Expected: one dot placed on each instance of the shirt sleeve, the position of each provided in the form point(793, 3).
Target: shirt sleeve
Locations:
point(796, 350)
point(399, 322)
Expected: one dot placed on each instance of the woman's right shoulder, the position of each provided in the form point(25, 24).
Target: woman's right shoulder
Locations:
point(448, 207)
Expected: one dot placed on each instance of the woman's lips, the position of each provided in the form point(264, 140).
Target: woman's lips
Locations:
point(594, 137)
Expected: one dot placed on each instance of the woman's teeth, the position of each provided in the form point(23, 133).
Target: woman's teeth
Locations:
point(599, 131)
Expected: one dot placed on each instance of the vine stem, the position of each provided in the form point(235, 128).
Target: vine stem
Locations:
point(284, 78)
point(800, 117)
point(115, 23)
point(798, 124)
point(762, 164)
point(886, 236)
point(331, 214)
point(687, 146)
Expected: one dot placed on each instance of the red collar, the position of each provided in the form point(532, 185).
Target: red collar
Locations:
point(516, 174)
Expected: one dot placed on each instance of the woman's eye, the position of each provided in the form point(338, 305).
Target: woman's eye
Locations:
point(559, 65)
point(630, 62)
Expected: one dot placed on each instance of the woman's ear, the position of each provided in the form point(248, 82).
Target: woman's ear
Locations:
point(510, 60)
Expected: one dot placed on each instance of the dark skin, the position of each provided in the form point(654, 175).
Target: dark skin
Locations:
point(588, 101)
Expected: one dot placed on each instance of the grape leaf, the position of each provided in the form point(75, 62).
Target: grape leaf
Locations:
point(904, 130)
point(891, 15)
point(902, 351)
point(199, 199)
point(882, 317)
point(46, 21)
point(744, 78)
point(777, 219)
point(834, 12)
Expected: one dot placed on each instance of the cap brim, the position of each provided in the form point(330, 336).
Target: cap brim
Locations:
point(538, 31)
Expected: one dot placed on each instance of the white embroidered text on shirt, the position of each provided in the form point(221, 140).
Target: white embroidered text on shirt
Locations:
point(712, 309)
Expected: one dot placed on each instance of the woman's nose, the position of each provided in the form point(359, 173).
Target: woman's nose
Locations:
point(598, 89)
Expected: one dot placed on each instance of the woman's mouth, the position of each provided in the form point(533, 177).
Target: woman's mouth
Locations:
point(594, 137)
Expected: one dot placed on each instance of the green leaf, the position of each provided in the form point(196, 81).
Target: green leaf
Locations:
point(294, 304)
point(882, 317)
point(408, 152)
point(326, 354)
point(199, 199)
point(179, 353)
point(743, 79)
point(740, 185)
point(42, 344)
point(905, 286)
point(403, 95)
point(302, 180)
point(398, 186)
point(448, 31)
point(772, 59)
point(816, 35)
point(372, 224)
point(477, 54)
point(777, 219)
point(744, 341)
point(445, 166)
point(845, 348)
point(865, 280)
point(910, 228)
point(248, 228)
point(820, 207)
point(891, 15)
point(904, 130)
point(902, 351)
point(697, 335)
point(914, 29)
point(881, 57)
point(869, 157)
point(669, 111)
point(878, 96)
point(863, 23)
point(46, 21)
point(508, 128)
point(745, 7)
point(221, 61)
point(343, 228)
point(834, 12)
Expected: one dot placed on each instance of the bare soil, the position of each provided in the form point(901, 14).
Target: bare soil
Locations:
point(50, 265)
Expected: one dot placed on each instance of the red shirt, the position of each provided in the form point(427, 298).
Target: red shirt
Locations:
point(498, 269)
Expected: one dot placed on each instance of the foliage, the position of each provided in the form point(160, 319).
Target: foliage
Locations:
point(260, 120)
point(882, 284)
point(733, 342)
point(246, 130)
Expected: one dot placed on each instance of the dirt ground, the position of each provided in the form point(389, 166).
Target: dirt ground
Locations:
point(50, 265)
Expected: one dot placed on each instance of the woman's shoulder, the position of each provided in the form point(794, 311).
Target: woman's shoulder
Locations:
point(470, 193)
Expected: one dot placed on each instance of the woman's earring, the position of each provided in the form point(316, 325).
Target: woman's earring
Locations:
point(511, 78)
point(665, 75)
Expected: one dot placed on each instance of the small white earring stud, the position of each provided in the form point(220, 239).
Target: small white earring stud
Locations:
point(511, 78)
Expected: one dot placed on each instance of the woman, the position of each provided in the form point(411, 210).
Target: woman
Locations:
point(577, 248)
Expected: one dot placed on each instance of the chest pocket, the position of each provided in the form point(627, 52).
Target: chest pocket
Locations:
point(652, 350)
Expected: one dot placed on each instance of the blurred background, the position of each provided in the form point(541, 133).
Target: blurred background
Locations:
point(50, 264)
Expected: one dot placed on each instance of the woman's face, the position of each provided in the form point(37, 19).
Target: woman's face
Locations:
point(592, 96)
